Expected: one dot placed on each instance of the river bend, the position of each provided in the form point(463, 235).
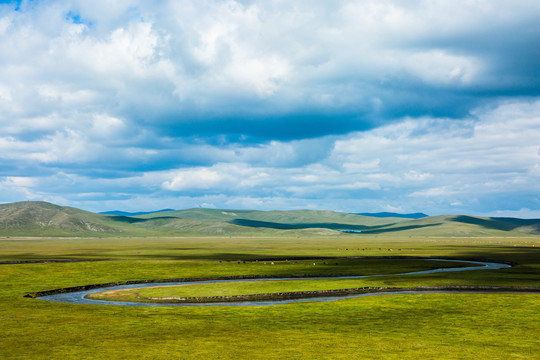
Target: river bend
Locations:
point(79, 297)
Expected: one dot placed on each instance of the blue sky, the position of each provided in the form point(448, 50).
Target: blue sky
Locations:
point(356, 106)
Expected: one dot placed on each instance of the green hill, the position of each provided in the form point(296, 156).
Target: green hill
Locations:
point(461, 225)
point(44, 219)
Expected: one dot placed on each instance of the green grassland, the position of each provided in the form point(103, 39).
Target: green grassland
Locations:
point(332, 268)
point(429, 326)
point(197, 243)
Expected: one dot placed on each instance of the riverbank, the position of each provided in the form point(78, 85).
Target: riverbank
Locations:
point(339, 293)
point(88, 294)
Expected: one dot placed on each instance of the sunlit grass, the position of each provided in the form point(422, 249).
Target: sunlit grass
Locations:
point(345, 266)
point(433, 326)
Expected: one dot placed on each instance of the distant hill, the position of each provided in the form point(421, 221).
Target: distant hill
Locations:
point(37, 218)
point(42, 218)
point(461, 225)
point(397, 215)
point(125, 213)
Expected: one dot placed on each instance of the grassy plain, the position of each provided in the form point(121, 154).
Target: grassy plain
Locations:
point(429, 326)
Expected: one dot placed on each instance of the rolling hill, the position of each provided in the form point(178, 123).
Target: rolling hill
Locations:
point(125, 213)
point(45, 219)
point(461, 225)
point(42, 218)
point(392, 214)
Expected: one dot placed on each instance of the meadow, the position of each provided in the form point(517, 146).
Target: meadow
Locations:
point(437, 326)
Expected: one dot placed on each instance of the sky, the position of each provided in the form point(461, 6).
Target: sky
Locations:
point(349, 105)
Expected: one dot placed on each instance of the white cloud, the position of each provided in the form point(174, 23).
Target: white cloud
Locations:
point(368, 166)
point(67, 146)
point(417, 176)
point(5, 22)
point(104, 126)
point(425, 165)
point(125, 52)
point(208, 52)
point(17, 181)
point(194, 179)
point(523, 213)
point(440, 67)
point(435, 192)
point(359, 185)
point(156, 93)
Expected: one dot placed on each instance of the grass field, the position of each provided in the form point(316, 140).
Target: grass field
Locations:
point(429, 326)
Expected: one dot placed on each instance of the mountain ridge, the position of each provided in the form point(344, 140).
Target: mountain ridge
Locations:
point(38, 218)
point(127, 213)
point(385, 214)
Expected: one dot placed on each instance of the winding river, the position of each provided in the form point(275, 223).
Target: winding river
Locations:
point(79, 297)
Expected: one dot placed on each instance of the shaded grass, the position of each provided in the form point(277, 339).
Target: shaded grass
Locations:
point(295, 226)
point(244, 248)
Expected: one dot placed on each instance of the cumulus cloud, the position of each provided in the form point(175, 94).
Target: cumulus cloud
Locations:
point(414, 165)
point(424, 164)
point(350, 66)
point(354, 105)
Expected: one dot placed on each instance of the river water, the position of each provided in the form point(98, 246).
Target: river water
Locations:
point(79, 297)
